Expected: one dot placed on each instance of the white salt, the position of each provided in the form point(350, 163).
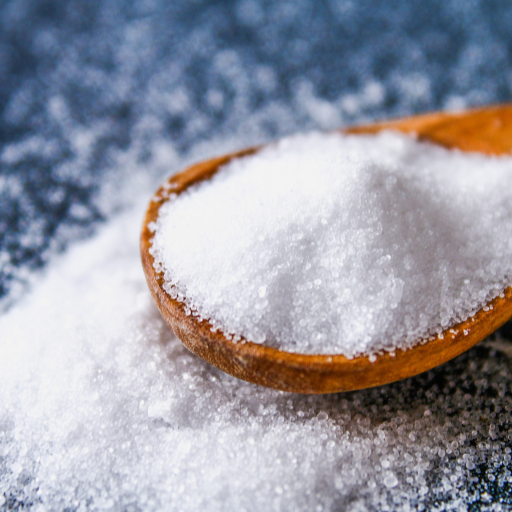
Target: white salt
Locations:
point(102, 408)
point(341, 244)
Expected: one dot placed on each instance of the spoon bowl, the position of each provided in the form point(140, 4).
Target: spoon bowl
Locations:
point(487, 130)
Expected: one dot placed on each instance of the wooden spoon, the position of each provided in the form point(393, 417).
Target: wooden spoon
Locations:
point(487, 130)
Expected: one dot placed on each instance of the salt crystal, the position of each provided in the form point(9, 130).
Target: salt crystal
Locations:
point(341, 244)
point(390, 479)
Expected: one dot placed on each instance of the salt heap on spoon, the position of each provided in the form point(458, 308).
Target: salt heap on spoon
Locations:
point(331, 244)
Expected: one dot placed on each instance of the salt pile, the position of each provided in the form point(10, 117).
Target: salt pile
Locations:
point(341, 244)
point(102, 408)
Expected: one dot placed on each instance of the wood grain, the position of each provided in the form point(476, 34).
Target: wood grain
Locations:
point(487, 130)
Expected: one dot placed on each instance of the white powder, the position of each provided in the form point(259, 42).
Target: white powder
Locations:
point(341, 244)
point(102, 408)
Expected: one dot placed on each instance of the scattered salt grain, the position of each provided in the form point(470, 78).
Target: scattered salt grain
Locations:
point(341, 244)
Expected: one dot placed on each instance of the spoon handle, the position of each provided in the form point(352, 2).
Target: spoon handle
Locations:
point(486, 130)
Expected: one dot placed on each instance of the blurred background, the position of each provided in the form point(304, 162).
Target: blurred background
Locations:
point(93, 94)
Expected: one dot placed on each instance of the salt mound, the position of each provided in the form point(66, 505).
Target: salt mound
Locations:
point(341, 244)
point(103, 409)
